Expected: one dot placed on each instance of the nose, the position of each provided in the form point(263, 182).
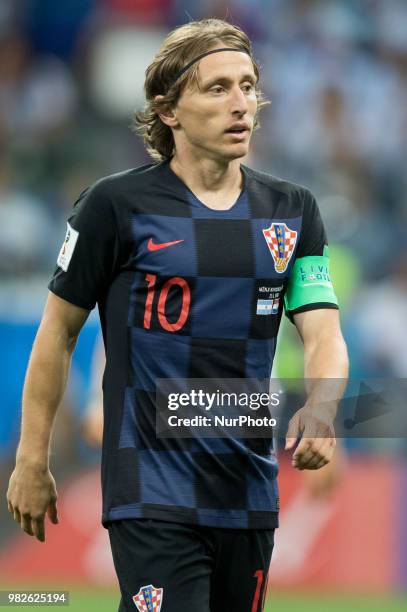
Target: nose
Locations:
point(239, 100)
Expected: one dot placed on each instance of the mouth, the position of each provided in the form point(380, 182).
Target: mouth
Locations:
point(238, 136)
point(238, 129)
point(238, 133)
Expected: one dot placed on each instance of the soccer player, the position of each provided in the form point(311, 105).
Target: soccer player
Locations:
point(189, 259)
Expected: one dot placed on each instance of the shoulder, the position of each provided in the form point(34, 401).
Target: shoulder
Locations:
point(111, 194)
point(120, 182)
point(276, 183)
point(263, 182)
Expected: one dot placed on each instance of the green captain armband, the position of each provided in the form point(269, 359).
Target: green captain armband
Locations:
point(310, 286)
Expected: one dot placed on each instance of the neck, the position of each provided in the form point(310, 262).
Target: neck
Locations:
point(208, 175)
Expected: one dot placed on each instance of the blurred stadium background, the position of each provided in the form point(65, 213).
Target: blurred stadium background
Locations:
point(71, 74)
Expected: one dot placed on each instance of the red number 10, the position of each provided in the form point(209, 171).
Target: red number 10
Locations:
point(259, 575)
point(186, 301)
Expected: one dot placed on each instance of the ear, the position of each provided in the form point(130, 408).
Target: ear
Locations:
point(168, 115)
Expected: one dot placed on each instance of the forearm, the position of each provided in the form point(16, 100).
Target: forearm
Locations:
point(326, 367)
point(44, 387)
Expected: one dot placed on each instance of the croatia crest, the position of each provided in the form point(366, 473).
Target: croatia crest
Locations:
point(148, 599)
point(281, 242)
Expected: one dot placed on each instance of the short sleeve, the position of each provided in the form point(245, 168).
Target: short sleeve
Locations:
point(310, 285)
point(313, 236)
point(90, 252)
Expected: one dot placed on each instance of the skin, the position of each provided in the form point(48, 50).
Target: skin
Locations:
point(92, 424)
point(32, 491)
point(207, 160)
point(326, 368)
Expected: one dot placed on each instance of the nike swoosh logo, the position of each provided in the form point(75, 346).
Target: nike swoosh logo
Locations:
point(163, 245)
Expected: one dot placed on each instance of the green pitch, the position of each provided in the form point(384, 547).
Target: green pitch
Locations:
point(275, 603)
point(333, 603)
point(107, 601)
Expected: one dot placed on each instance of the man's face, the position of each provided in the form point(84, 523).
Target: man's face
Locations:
point(226, 97)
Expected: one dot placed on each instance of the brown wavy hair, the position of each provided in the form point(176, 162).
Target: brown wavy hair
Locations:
point(180, 46)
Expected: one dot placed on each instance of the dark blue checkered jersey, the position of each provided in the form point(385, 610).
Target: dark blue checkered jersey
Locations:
point(180, 291)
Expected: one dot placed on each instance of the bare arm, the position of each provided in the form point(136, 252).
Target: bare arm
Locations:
point(32, 491)
point(326, 371)
point(92, 424)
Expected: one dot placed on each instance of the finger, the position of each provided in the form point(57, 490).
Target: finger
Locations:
point(312, 450)
point(318, 434)
point(315, 461)
point(303, 450)
point(26, 524)
point(318, 449)
point(38, 528)
point(289, 442)
point(321, 464)
point(10, 507)
point(327, 449)
point(17, 515)
point(293, 432)
point(321, 457)
point(53, 512)
point(329, 453)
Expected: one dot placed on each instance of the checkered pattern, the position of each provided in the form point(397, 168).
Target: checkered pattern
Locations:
point(188, 310)
point(281, 242)
point(148, 599)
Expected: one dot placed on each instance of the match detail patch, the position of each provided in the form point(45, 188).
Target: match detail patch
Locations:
point(269, 301)
point(281, 242)
point(67, 248)
point(148, 599)
point(267, 307)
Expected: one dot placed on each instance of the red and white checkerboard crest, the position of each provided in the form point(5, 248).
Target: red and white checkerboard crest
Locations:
point(281, 242)
point(148, 599)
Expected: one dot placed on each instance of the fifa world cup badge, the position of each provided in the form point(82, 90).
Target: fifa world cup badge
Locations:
point(148, 599)
point(67, 248)
point(281, 241)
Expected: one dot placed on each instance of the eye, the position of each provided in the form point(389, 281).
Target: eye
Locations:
point(217, 89)
point(249, 87)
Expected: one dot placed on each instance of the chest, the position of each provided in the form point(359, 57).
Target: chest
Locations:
point(211, 277)
point(215, 247)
